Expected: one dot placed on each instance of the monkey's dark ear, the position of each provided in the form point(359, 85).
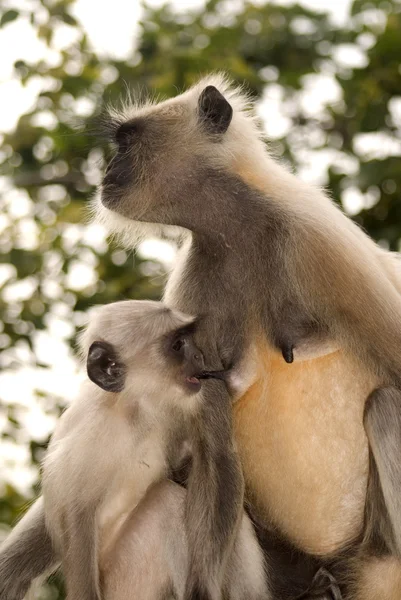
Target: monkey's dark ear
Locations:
point(216, 113)
point(105, 368)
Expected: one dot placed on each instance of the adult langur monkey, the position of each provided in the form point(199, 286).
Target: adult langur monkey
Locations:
point(305, 305)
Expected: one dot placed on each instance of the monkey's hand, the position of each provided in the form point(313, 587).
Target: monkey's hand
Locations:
point(215, 495)
point(26, 554)
point(79, 554)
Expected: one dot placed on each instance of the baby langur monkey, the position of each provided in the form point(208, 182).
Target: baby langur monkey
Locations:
point(121, 529)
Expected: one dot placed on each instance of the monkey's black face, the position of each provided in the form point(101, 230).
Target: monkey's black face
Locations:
point(160, 160)
point(186, 357)
point(182, 350)
point(139, 143)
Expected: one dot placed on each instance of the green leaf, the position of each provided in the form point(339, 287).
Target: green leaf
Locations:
point(8, 17)
point(69, 19)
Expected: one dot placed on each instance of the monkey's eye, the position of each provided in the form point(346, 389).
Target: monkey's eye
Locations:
point(178, 345)
point(110, 367)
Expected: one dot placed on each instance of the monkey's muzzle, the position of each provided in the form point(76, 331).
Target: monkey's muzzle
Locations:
point(222, 375)
point(195, 381)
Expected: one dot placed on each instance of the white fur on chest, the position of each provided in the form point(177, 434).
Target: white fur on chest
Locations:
point(129, 485)
point(103, 455)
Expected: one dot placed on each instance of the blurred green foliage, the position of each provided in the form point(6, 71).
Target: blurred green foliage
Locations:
point(277, 52)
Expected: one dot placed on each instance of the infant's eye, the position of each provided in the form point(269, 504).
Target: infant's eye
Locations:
point(110, 367)
point(178, 345)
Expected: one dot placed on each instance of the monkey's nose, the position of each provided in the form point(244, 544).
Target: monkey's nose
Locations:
point(198, 360)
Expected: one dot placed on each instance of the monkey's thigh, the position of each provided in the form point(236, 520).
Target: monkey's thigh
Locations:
point(379, 579)
point(149, 559)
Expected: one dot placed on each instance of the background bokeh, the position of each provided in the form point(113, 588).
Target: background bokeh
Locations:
point(328, 87)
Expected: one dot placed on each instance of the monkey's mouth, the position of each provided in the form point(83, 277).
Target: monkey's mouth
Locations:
point(222, 375)
point(193, 383)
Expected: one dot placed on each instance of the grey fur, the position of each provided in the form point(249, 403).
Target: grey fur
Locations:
point(153, 547)
point(383, 428)
point(26, 554)
point(324, 587)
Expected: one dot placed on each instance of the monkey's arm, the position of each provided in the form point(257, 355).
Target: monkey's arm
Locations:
point(215, 496)
point(382, 422)
point(26, 554)
point(79, 554)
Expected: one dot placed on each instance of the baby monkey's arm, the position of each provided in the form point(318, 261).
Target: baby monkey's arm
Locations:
point(215, 495)
point(26, 554)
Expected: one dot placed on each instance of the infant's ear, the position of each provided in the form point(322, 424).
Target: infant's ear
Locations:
point(105, 368)
point(214, 110)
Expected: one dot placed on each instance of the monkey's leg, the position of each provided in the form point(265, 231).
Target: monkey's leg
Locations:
point(215, 495)
point(149, 560)
point(26, 554)
point(382, 422)
point(378, 579)
point(150, 557)
point(79, 554)
point(247, 574)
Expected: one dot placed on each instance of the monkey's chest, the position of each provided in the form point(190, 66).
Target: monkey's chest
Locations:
point(304, 451)
point(139, 466)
